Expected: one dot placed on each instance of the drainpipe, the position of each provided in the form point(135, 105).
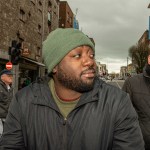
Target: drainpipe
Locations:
point(42, 38)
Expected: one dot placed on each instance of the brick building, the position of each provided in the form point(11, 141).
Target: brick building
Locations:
point(66, 15)
point(102, 69)
point(27, 22)
point(123, 71)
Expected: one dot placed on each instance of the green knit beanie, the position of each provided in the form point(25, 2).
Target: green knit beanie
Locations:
point(60, 42)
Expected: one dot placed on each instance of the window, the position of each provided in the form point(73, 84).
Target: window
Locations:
point(67, 16)
point(70, 20)
point(39, 28)
point(49, 17)
point(49, 3)
point(49, 21)
point(22, 15)
point(40, 3)
point(38, 51)
point(40, 6)
point(49, 6)
point(33, 1)
point(29, 14)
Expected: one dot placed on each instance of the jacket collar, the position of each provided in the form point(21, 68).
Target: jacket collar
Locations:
point(92, 95)
point(3, 84)
point(41, 90)
point(145, 73)
point(42, 93)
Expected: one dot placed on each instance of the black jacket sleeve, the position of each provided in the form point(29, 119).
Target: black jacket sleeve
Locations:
point(12, 137)
point(127, 134)
point(127, 87)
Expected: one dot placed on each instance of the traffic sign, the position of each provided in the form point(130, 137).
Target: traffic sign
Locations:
point(9, 65)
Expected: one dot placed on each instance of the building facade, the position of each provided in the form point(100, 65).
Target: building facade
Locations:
point(75, 23)
point(131, 70)
point(102, 69)
point(123, 72)
point(28, 23)
point(66, 15)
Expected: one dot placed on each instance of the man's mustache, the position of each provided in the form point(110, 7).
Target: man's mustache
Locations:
point(91, 69)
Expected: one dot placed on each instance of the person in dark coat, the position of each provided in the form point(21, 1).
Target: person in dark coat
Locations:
point(6, 94)
point(71, 108)
point(138, 88)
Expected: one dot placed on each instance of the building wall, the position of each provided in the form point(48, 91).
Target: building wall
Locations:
point(144, 38)
point(75, 23)
point(53, 8)
point(131, 69)
point(26, 21)
point(66, 15)
point(102, 70)
point(123, 71)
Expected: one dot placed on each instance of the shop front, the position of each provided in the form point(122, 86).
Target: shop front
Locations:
point(29, 70)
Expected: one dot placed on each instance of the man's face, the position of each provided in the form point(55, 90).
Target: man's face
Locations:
point(149, 59)
point(77, 70)
point(7, 79)
point(148, 66)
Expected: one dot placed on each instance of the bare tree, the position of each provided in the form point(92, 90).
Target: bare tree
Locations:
point(138, 54)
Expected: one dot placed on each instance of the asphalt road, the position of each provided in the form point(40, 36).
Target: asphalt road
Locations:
point(117, 83)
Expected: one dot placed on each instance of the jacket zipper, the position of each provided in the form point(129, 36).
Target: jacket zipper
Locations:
point(65, 133)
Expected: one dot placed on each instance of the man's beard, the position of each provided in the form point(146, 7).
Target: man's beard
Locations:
point(70, 82)
point(147, 69)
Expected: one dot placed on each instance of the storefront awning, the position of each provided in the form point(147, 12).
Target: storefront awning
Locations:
point(33, 61)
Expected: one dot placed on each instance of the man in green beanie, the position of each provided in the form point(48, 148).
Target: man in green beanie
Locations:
point(71, 108)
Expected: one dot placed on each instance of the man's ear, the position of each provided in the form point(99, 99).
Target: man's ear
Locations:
point(2, 77)
point(149, 59)
point(54, 69)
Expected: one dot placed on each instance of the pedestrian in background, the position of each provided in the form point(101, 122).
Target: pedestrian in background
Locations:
point(6, 94)
point(138, 88)
point(71, 108)
point(26, 82)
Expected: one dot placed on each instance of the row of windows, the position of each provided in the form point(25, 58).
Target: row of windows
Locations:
point(49, 5)
point(35, 1)
point(23, 16)
point(54, 8)
point(69, 18)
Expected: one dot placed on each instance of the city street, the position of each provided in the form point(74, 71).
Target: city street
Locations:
point(117, 83)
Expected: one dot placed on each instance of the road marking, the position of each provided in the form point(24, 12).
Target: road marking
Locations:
point(118, 84)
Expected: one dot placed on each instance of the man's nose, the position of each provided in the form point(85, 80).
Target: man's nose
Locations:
point(88, 61)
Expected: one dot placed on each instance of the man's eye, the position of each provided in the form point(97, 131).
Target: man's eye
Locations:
point(77, 55)
point(92, 55)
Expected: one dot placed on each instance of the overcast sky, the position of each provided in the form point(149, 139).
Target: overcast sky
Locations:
point(115, 25)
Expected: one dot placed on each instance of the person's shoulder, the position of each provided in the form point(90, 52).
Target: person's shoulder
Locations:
point(134, 78)
point(34, 87)
point(110, 89)
point(111, 95)
point(1, 82)
point(137, 76)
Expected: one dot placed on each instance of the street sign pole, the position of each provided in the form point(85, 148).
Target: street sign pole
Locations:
point(15, 78)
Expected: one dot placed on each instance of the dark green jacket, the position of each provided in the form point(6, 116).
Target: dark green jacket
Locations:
point(104, 119)
point(138, 88)
point(5, 99)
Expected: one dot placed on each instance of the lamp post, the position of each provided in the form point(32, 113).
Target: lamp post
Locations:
point(127, 63)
